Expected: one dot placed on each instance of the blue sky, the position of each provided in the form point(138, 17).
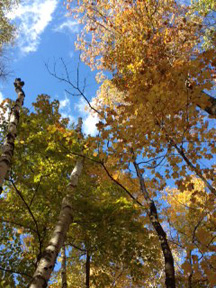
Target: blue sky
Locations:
point(45, 33)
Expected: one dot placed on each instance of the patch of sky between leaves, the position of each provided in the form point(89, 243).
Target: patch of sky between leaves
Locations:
point(89, 119)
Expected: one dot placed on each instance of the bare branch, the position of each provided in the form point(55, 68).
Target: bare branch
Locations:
point(15, 272)
point(68, 81)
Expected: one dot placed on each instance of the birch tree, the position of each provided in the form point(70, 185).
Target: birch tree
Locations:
point(117, 229)
point(106, 222)
point(47, 261)
point(26, 212)
point(108, 227)
point(8, 146)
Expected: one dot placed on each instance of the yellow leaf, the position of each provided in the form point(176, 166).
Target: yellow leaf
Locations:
point(20, 230)
point(115, 176)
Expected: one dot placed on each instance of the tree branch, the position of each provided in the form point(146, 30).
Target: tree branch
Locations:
point(31, 214)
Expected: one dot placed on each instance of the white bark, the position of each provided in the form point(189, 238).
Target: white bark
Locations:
point(8, 146)
point(47, 261)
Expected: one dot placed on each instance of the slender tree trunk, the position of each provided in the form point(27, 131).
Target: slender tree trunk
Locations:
point(8, 146)
point(153, 216)
point(207, 103)
point(63, 268)
point(87, 269)
point(47, 261)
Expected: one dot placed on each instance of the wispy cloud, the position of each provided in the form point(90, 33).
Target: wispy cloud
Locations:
point(81, 107)
point(68, 26)
point(33, 16)
point(90, 119)
point(65, 109)
point(64, 103)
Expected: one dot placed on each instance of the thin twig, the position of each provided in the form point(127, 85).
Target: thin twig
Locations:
point(31, 214)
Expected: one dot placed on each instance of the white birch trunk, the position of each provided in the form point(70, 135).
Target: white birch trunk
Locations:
point(47, 261)
point(8, 146)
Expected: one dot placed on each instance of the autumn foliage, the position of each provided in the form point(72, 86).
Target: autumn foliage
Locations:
point(144, 210)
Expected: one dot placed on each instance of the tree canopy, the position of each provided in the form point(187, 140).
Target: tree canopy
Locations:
point(133, 206)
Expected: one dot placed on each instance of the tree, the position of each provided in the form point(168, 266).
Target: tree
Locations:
point(8, 146)
point(121, 225)
point(108, 235)
point(26, 187)
point(144, 43)
point(25, 193)
point(148, 107)
point(190, 216)
point(105, 222)
point(157, 87)
point(47, 260)
point(206, 8)
point(46, 263)
point(7, 29)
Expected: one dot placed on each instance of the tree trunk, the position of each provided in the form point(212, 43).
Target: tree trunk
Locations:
point(87, 270)
point(207, 103)
point(153, 216)
point(63, 268)
point(47, 261)
point(8, 146)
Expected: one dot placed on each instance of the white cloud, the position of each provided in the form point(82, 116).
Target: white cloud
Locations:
point(68, 26)
point(65, 109)
point(90, 119)
point(32, 18)
point(81, 106)
point(89, 125)
point(1, 97)
point(64, 103)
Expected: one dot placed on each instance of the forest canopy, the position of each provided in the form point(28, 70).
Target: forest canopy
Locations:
point(133, 206)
